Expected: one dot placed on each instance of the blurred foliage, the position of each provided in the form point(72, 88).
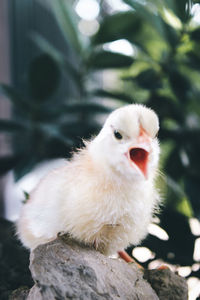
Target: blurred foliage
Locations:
point(162, 73)
point(165, 40)
point(43, 126)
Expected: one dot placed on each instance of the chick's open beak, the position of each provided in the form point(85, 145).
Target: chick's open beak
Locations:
point(138, 154)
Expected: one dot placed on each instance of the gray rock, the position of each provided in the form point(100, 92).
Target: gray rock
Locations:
point(167, 284)
point(65, 269)
point(20, 294)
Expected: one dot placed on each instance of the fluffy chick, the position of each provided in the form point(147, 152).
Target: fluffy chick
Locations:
point(105, 196)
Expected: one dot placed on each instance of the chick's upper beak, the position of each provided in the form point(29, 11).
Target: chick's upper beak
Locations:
point(138, 153)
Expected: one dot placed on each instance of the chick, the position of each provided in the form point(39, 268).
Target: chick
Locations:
point(105, 195)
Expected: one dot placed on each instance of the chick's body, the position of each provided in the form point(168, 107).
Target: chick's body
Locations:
point(98, 197)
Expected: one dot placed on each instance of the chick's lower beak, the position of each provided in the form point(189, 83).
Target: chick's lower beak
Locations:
point(138, 154)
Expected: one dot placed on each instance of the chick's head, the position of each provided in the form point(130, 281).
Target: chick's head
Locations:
point(127, 142)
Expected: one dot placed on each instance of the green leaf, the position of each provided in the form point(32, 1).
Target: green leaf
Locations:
point(180, 84)
point(51, 131)
point(16, 99)
point(183, 10)
point(193, 60)
point(150, 13)
point(44, 77)
point(87, 108)
point(171, 35)
point(174, 167)
point(148, 79)
point(165, 107)
point(195, 34)
point(123, 25)
point(181, 134)
point(26, 197)
point(8, 162)
point(66, 19)
point(81, 129)
point(175, 187)
point(63, 61)
point(109, 60)
point(150, 17)
point(11, 126)
point(192, 191)
point(113, 95)
point(24, 166)
point(181, 240)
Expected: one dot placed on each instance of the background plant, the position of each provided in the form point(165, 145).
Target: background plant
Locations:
point(45, 125)
point(163, 73)
point(165, 76)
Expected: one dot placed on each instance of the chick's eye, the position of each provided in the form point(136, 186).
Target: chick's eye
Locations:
point(118, 135)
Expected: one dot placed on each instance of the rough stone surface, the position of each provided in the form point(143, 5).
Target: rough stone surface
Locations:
point(167, 284)
point(64, 269)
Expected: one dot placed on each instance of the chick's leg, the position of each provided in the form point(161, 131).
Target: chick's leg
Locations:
point(125, 256)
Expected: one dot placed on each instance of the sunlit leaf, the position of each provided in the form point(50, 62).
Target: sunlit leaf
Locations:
point(183, 9)
point(150, 17)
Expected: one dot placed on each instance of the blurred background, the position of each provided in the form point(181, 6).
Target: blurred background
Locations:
point(64, 66)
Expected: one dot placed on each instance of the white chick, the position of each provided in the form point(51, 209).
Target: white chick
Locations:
point(105, 196)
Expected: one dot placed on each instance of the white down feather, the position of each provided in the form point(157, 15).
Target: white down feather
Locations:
point(97, 197)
